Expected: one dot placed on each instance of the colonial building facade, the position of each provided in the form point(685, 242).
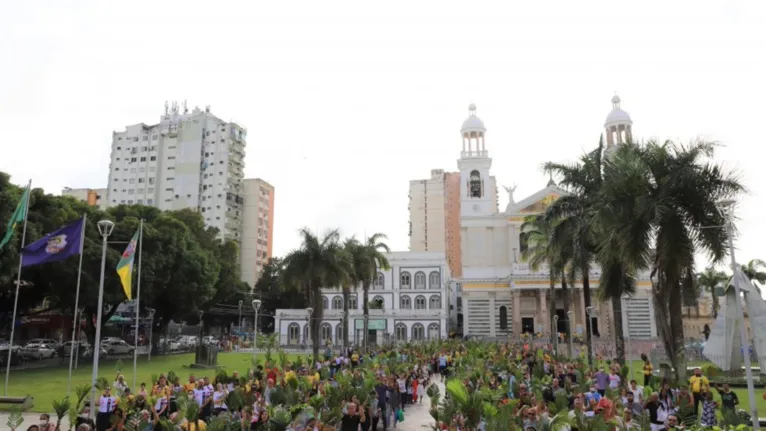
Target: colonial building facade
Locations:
point(501, 295)
point(409, 301)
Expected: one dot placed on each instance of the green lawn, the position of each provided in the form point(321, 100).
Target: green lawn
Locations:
point(49, 384)
point(744, 399)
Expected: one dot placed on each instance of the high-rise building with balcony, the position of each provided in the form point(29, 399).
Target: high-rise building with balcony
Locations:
point(188, 160)
point(257, 229)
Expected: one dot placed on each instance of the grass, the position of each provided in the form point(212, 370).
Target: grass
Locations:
point(744, 399)
point(49, 384)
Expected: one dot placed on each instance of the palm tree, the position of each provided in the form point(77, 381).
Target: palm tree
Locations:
point(709, 280)
point(754, 271)
point(318, 263)
point(656, 201)
point(541, 250)
point(371, 259)
point(574, 214)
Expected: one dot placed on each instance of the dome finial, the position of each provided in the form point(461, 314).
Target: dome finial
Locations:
point(615, 101)
point(472, 108)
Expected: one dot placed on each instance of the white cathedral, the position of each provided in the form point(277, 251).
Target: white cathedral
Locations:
point(498, 295)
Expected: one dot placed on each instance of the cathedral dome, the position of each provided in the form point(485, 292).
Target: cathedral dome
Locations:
point(617, 116)
point(472, 123)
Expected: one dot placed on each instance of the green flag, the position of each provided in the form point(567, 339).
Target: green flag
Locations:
point(18, 216)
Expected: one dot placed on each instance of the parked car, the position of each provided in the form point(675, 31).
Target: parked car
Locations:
point(83, 346)
point(53, 344)
point(172, 344)
point(88, 352)
point(118, 347)
point(38, 351)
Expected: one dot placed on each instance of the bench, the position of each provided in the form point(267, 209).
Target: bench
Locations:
point(24, 403)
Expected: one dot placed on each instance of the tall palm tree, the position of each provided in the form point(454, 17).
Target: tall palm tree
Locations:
point(710, 279)
point(661, 198)
point(575, 213)
point(318, 263)
point(372, 258)
point(755, 271)
point(540, 251)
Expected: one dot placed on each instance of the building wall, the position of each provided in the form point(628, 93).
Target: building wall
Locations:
point(93, 197)
point(406, 305)
point(188, 160)
point(452, 222)
point(257, 228)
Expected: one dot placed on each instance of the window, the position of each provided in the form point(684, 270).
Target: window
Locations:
point(474, 185)
point(152, 158)
point(434, 280)
point(420, 280)
point(293, 334)
point(433, 331)
point(337, 303)
point(352, 303)
point(523, 242)
point(405, 280)
point(379, 281)
point(325, 332)
point(503, 318)
point(405, 303)
point(325, 303)
point(418, 332)
point(339, 333)
point(435, 302)
point(306, 334)
point(420, 302)
point(401, 332)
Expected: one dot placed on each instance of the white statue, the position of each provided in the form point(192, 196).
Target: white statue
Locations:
point(510, 191)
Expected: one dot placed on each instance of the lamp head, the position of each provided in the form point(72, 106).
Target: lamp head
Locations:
point(590, 310)
point(256, 304)
point(200, 313)
point(105, 227)
point(240, 303)
point(309, 310)
point(570, 314)
point(555, 318)
point(151, 312)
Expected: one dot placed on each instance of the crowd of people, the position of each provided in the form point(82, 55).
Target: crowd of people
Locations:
point(487, 387)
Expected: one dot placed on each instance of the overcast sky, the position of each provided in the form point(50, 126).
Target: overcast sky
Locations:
point(345, 102)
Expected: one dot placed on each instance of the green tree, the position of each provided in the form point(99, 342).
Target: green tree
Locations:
point(663, 199)
point(275, 294)
point(318, 263)
point(710, 279)
point(755, 270)
point(540, 251)
point(372, 258)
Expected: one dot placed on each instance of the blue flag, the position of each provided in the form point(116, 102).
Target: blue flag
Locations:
point(55, 246)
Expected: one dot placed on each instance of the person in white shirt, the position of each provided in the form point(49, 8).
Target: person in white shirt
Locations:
point(119, 384)
point(638, 391)
point(219, 399)
point(106, 405)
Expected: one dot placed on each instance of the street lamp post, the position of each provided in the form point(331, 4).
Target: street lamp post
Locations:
point(728, 207)
point(570, 316)
point(105, 228)
point(590, 311)
point(555, 334)
point(239, 324)
point(151, 312)
point(199, 335)
point(256, 306)
point(364, 336)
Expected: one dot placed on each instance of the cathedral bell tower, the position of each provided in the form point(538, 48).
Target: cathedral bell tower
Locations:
point(477, 195)
point(618, 127)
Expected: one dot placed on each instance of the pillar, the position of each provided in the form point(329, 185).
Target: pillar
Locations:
point(516, 312)
point(543, 313)
point(493, 315)
point(583, 317)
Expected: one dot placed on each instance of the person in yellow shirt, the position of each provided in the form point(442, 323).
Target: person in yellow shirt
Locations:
point(648, 369)
point(699, 386)
point(192, 385)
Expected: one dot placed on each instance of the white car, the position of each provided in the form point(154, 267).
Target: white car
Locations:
point(83, 347)
point(53, 344)
point(117, 347)
point(38, 351)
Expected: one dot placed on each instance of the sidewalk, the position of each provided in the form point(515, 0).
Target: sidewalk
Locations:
point(417, 416)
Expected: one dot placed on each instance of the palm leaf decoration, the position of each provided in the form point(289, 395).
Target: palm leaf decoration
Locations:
point(15, 419)
point(279, 418)
point(61, 408)
point(102, 383)
point(82, 392)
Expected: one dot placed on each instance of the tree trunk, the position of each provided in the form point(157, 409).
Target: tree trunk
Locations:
point(315, 319)
point(552, 306)
point(715, 304)
point(366, 308)
point(346, 294)
point(567, 305)
point(677, 332)
point(587, 300)
point(619, 332)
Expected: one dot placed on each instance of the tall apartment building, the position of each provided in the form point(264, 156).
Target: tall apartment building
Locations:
point(435, 216)
point(188, 160)
point(257, 229)
point(93, 197)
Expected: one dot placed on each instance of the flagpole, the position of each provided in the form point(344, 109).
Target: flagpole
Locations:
point(138, 303)
point(74, 350)
point(18, 284)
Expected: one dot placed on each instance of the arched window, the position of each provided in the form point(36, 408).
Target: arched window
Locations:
point(337, 303)
point(339, 333)
point(293, 334)
point(306, 335)
point(405, 280)
point(401, 332)
point(418, 332)
point(405, 303)
point(523, 242)
point(352, 302)
point(433, 331)
point(434, 280)
point(325, 303)
point(474, 185)
point(420, 280)
point(435, 302)
point(325, 333)
point(420, 302)
point(379, 302)
point(379, 281)
point(504, 318)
